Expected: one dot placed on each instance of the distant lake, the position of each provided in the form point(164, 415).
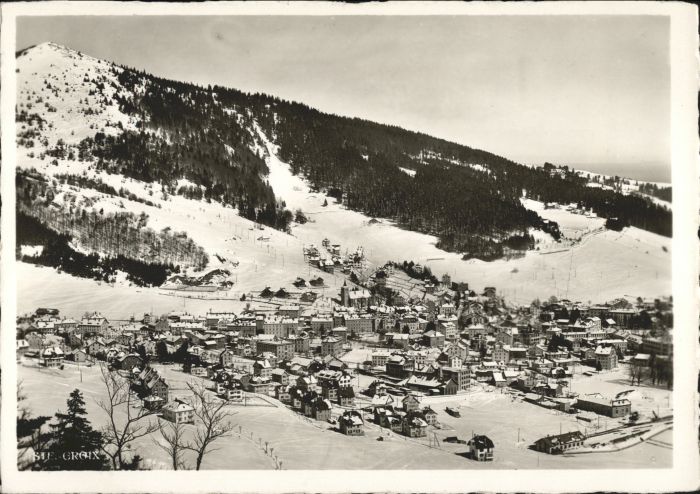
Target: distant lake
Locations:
point(651, 172)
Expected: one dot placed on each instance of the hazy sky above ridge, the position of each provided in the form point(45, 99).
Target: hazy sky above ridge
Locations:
point(587, 91)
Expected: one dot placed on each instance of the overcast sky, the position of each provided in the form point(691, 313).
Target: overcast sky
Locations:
point(592, 92)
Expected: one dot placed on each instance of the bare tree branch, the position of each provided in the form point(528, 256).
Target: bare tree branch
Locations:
point(214, 421)
point(123, 426)
point(173, 445)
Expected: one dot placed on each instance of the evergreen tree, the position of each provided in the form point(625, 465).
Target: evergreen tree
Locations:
point(73, 444)
point(181, 353)
point(162, 352)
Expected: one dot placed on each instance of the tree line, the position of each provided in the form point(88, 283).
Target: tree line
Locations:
point(58, 253)
point(111, 234)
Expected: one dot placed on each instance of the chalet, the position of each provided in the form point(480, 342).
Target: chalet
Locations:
point(198, 370)
point(128, 362)
point(317, 407)
point(75, 340)
point(300, 366)
point(263, 369)
point(152, 402)
point(351, 423)
point(410, 403)
point(413, 425)
point(430, 415)
point(96, 346)
point(158, 387)
point(125, 339)
point(51, 357)
point(257, 384)
point(606, 357)
point(280, 376)
point(497, 379)
point(329, 389)
point(346, 396)
point(481, 448)
point(178, 412)
point(22, 346)
point(307, 384)
point(234, 393)
point(44, 327)
point(560, 443)
point(641, 359)
point(387, 416)
point(296, 397)
point(220, 386)
point(283, 394)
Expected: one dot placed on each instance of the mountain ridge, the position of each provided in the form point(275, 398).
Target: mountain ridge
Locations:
point(202, 143)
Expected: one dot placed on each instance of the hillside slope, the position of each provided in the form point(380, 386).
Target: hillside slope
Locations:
point(173, 178)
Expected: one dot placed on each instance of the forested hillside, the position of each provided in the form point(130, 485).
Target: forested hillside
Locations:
point(203, 143)
point(457, 192)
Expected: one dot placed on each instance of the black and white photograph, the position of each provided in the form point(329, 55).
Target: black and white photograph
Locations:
point(353, 239)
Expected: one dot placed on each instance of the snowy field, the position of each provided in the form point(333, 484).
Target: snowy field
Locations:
point(513, 425)
point(301, 443)
point(47, 392)
point(602, 266)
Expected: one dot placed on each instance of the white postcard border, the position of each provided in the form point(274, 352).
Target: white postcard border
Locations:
point(684, 84)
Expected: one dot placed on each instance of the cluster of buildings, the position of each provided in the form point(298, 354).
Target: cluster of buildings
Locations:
point(437, 345)
point(408, 418)
point(329, 257)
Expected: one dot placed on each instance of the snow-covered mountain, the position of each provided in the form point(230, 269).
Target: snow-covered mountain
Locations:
point(118, 161)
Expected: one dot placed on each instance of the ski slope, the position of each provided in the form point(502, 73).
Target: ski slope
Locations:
point(602, 265)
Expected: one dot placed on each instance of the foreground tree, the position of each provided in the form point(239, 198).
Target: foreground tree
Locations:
point(173, 443)
point(214, 418)
point(72, 443)
point(124, 425)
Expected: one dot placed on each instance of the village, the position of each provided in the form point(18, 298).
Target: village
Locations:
point(395, 353)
